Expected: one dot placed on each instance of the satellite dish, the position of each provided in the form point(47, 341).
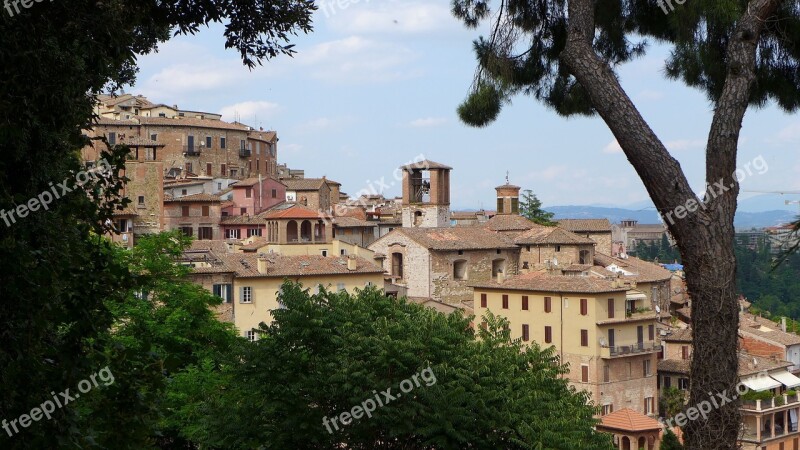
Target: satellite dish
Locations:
point(658, 309)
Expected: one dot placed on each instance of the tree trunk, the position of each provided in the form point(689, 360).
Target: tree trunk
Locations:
point(703, 228)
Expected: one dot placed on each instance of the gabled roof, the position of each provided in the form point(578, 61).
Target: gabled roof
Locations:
point(551, 235)
point(194, 198)
point(585, 225)
point(246, 265)
point(456, 238)
point(766, 330)
point(510, 222)
point(265, 136)
point(426, 164)
point(508, 186)
point(351, 222)
point(541, 281)
point(190, 122)
point(291, 211)
point(680, 335)
point(627, 419)
point(303, 184)
point(642, 271)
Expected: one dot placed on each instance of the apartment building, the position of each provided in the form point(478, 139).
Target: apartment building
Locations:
point(611, 350)
point(195, 215)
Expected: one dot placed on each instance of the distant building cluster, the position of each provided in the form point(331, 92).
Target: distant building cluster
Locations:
point(621, 323)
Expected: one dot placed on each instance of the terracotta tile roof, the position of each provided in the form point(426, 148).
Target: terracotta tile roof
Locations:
point(128, 211)
point(217, 247)
point(540, 281)
point(206, 260)
point(255, 245)
point(585, 225)
point(751, 364)
point(457, 238)
point(681, 366)
point(190, 122)
point(643, 271)
point(577, 268)
point(426, 164)
point(246, 265)
point(766, 329)
point(551, 235)
point(509, 222)
point(265, 136)
point(331, 182)
point(106, 121)
point(194, 198)
point(303, 184)
point(627, 419)
point(258, 219)
point(508, 186)
point(351, 222)
point(292, 211)
point(679, 335)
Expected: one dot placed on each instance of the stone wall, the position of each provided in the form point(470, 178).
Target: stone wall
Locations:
point(447, 289)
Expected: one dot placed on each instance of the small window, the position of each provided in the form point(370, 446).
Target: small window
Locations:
point(343, 252)
point(112, 138)
point(208, 172)
point(187, 231)
point(223, 170)
point(247, 294)
point(248, 192)
point(205, 233)
point(584, 307)
point(558, 248)
point(607, 409)
point(141, 200)
point(505, 301)
point(547, 305)
point(185, 211)
point(461, 252)
point(525, 333)
point(243, 211)
point(222, 142)
point(548, 335)
point(206, 211)
point(683, 384)
point(524, 302)
point(483, 300)
point(208, 141)
point(648, 405)
point(646, 369)
point(242, 144)
point(340, 287)
point(250, 335)
point(685, 352)
point(584, 373)
point(223, 291)
point(611, 308)
point(606, 373)
point(253, 232)
point(274, 193)
point(153, 137)
point(460, 270)
point(584, 338)
point(184, 191)
point(232, 233)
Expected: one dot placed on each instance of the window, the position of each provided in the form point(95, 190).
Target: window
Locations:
point(184, 191)
point(208, 172)
point(514, 205)
point(222, 142)
point(248, 192)
point(483, 300)
point(253, 232)
point(648, 405)
point(187, 231)
point(162, 114)
point(153, 137)
point(324, 253)
point(526, 336)
point(685, 352)
point(205, 210)
point(232, 233)
point(611, 338)
point(584, 307)
point(112, 138)
point(584, 338)
point(607, 409)
point(205, 233)
point(141, 200)
point(606, 373)
point(683, 384)
point(584, 373)
point(397, 265)
point(558, 248)
point(188, 167)
point(524, 302)
point(460, 270)
point(505, 301)
point(547, 305)
point(667, 381)
point(121, 225)
point(340, 287)
point(651, 332)
point(274, 193)
point(548, 335)
point(250, 335)
point(246, 294)
point(223, 170)
point(223, 291)
point(242, 144)
point(185, 211)
point(611, 308)
point(646, 371)
point(208, 141)
point(499, 206)
point(343, 252)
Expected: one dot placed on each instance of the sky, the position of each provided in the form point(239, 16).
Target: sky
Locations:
point(377, 83)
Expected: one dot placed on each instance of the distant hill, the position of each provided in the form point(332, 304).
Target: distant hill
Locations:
point(615, 215)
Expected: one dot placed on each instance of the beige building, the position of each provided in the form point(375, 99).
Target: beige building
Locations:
point(314, 193)
point(611, 353)
point(598, 230)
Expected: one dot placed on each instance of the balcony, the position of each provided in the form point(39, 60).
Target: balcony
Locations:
point(773, 403)
point(639, 348)
point(191, 150)
point(244, 153)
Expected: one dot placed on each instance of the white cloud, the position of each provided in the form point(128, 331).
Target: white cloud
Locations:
point(612, 147)
point(249, 111)
point(188, 78)
point(357, 60)
point(389, 17)
point(324, 124)
point(685, 144)
point(427, 122)
point(789, 134)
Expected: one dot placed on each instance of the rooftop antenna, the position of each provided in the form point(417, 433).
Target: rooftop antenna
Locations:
point(507, 177)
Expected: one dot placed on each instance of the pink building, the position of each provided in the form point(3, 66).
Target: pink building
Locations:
point(251, 196)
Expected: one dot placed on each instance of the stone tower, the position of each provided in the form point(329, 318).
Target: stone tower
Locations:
point(507, 198)
point(426, 194)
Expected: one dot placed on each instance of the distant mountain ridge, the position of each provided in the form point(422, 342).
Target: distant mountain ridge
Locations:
point(743, 219)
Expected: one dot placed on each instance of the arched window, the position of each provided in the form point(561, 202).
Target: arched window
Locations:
point(397, 265)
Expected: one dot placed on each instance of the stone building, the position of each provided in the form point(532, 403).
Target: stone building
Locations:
point(314, 193)
point(598, 230)
point(426, 195)
point(195, 215)
point(263, 148)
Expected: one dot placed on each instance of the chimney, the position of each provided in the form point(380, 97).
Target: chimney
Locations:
point(783, 324)
point(352, 264)
point(501, 277)
point(263, 265)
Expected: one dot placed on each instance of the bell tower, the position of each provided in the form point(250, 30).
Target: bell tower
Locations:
point(426, 194)
point(507, 198)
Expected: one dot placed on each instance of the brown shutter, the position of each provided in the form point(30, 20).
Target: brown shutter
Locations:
point(524, 302)
point(547, 304)
point(483, 300)
point(584, 338)
point(651, 332)
point(584, 307)
point(585, 374)
point(611, 308)
point(505, 301)
point(525, 333)
point(548, 335)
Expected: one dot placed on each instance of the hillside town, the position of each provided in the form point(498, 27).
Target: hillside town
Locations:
point(622, 324)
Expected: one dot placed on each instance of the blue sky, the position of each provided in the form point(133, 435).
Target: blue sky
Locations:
point(377, 84)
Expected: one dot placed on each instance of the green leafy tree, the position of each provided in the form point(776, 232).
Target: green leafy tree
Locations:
point(739, 54)
point(531, 207)
point(326, 353)
point(672, 401)
point(59, 275)
point(670, 441)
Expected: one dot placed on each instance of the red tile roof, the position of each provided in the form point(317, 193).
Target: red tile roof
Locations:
point(292, 211)
point(194, 198)
point(509, 222)
point(190, 122)
point(426, 164)
point(246, 265)
point(456, 238)
point(551, 236)
point(585, 225)
point(543, 282)
point(627, 419)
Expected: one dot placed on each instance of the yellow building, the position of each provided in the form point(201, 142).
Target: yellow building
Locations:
point(595, 327)
point(258, 279)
